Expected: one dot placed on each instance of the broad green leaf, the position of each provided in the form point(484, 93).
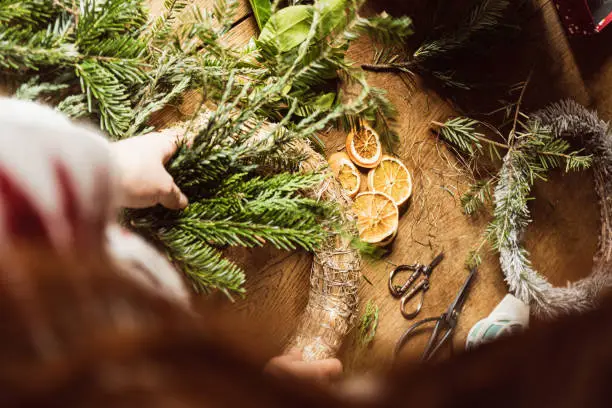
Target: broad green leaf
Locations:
point(322, 103)
point(325, 101)
point(262, 9)
point(332, 15)
point(288, 27)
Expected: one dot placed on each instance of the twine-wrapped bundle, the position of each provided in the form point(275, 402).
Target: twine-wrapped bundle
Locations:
point(335, 275)
point(336, 267)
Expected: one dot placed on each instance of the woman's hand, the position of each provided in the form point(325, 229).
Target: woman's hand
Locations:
point(293, 364)
point(142, 176)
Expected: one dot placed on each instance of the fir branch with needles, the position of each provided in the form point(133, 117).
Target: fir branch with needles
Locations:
point(107, 62)
point(432, 56)
point(477, 197)
point(128, 68)
point(325, 64)
point(531, 149)
point(34, 89)
point(535, 144)
point(483, 18)
point(96, 46)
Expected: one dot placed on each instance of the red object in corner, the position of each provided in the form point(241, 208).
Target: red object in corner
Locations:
point(584, 17)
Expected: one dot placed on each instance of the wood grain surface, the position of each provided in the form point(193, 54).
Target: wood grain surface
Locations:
point(562, 238)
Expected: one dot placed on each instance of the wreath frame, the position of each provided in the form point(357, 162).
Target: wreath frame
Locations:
point(575, 123)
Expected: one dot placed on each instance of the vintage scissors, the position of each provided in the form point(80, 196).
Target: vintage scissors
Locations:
point(444, 324)
point(407, 291)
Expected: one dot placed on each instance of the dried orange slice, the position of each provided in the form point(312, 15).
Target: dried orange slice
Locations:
point(346, 173)
point(377, 217)
point(364, 147)
point(392, 178)
point(388, 240)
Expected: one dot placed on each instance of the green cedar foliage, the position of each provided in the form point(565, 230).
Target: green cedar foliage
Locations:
point(93, 45)
point(105, 60)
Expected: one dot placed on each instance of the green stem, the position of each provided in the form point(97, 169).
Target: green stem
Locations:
point(477, 136)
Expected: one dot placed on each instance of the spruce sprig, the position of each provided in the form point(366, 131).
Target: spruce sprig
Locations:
point(478, 196)
point(484, 17)
point(333, 27)
point(96, 45)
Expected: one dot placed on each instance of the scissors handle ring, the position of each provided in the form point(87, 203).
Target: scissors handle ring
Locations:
point(397, 292)
point(407, 334)
point(423, 286)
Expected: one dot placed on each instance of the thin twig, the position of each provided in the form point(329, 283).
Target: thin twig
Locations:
point(518, 109)
point(478, 136)
point(386, 67)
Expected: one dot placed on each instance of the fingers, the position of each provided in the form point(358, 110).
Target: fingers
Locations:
point(173, 198)
point(143, 179)
point(170, 139)
point(323, 370)
point(169, 144)
point(292, 364)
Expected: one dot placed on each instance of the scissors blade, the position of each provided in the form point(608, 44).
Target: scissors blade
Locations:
point(461, 296)
point(436, 261)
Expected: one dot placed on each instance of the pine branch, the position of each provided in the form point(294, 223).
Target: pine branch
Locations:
point(24, 12)
point(106, 94)
point(112, 18)
point(385, 29)
point(205, 266)
point(477, 197)
point(510, 196)
point(551, 152)
point(323, 61)
point(119, 69)
point(22, 49)
point(224, 12)
point(531, 151)
point(461, 132)
point(73, 106)
point(474, 259)
point(369, 323)
point(483, 18)
point(34, 89)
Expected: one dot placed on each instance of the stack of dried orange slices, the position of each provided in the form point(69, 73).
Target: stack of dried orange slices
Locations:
point(388, 181)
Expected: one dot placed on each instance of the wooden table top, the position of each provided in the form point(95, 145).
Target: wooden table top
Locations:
point(562, 238)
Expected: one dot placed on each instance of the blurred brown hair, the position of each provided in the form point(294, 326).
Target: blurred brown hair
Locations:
point(74, 333)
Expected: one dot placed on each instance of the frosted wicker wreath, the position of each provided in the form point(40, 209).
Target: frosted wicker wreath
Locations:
point(571, 121)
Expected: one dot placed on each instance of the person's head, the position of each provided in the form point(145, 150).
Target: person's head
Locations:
point(77, 334)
